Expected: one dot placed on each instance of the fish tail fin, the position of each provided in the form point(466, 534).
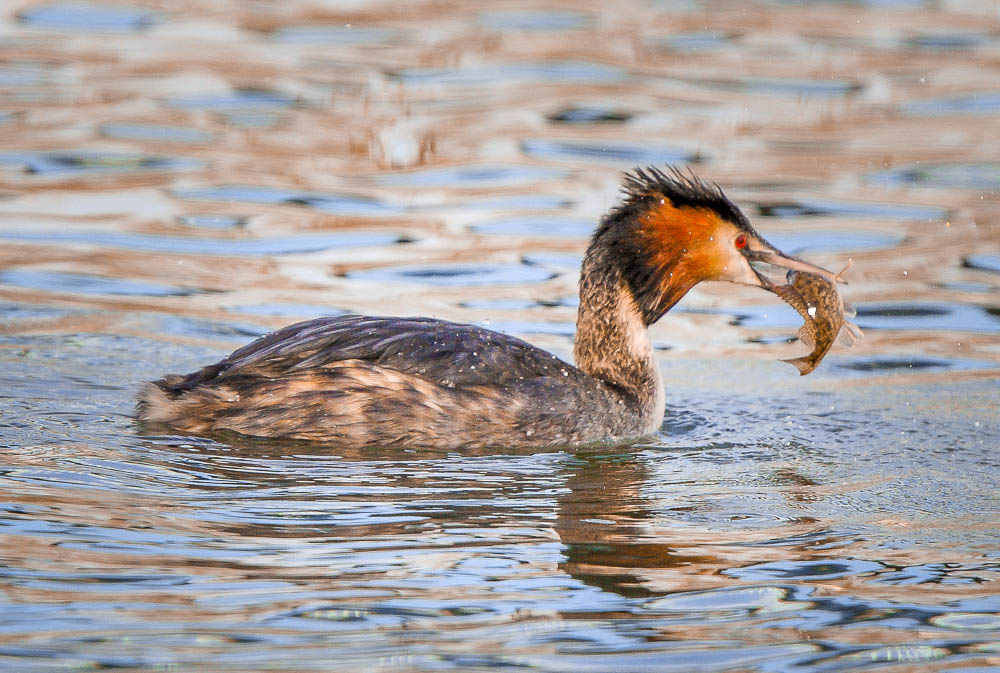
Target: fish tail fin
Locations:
point(804, 364)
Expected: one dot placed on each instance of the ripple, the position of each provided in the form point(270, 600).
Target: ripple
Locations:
point(87, 17)
point(353, 617)
point(10, 312)
point(806, 570)
point(951, 41)
point(236, 100)
point(556, 72)
point(472, 176)
point(213, 221)
point(457, 274)
point(870, 657)
point(250, 118)
point(69, 163)
point(833, 240)
point(772, 339)
point(589, 114)
point(78, 283)
point(500, 304)
point(337, 204)
point(516, 202)
point(562, 261)
point(966, 287)
point(203, 328)
point(822, 207)
point(777, 86)
point(985, 262)
point(283, 309)
point(25, 75)
point(687, 658)
point(741, 599)
point(968, 621)
point(155, 133)
point(930, 316)
point(98, 579)
point(536, 226)
point(969, 175)
point(937, 573)
point(339, 35)
point(886, 364)
point(607, 151)
point(239, 247)
point(979, 103)
point(530, 327)
point(770, 316)
point(927, 316)
point(705, 40)
point(881, 4)
point(520, 304)
point(528, 20)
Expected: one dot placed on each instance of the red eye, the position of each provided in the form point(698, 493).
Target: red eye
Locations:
point(741, 241)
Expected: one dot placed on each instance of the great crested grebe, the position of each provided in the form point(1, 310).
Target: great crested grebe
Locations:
point(420, 382)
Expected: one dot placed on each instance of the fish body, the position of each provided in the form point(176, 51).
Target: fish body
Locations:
point(823, 309)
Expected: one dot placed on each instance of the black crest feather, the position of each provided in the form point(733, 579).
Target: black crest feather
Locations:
point(643, 189)
point(683, 189)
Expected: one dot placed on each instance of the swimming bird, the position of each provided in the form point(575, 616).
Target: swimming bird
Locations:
point(359, 381)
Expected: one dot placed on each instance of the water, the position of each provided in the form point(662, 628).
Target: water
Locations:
point(344, 35)
point(55, 281)
point(338, 204)
point(974, 176)
point(516, 73)
point(589, 115)
point(695, 41)
point(176, 180)
point(476, 176)
point(515, 21)
point(922, 316)
point(536, 226)
point(453, 274)
point(68, 164)
point(628, 154)
point(169, 134)
point(70, 16)
point(811, 207)
point(239, 99)
point(208, 246)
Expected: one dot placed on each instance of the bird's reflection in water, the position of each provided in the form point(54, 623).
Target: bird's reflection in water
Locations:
point(604, 521)
point(616, 531)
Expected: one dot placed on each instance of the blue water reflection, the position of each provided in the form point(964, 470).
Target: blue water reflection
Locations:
point(181, 178)
point(457, 274)
point(88, 17)
point(929, 316)
point(566, 72)
point(57, 281)
point(72, 163)
point(625, 153)
point(200, 245)
point(340, 204)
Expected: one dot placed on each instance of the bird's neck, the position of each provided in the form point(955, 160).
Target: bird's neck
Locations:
point(611, 339)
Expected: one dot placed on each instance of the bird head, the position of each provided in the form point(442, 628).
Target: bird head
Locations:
point(673, 231)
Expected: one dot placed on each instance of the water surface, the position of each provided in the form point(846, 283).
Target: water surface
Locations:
point(177, 179)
